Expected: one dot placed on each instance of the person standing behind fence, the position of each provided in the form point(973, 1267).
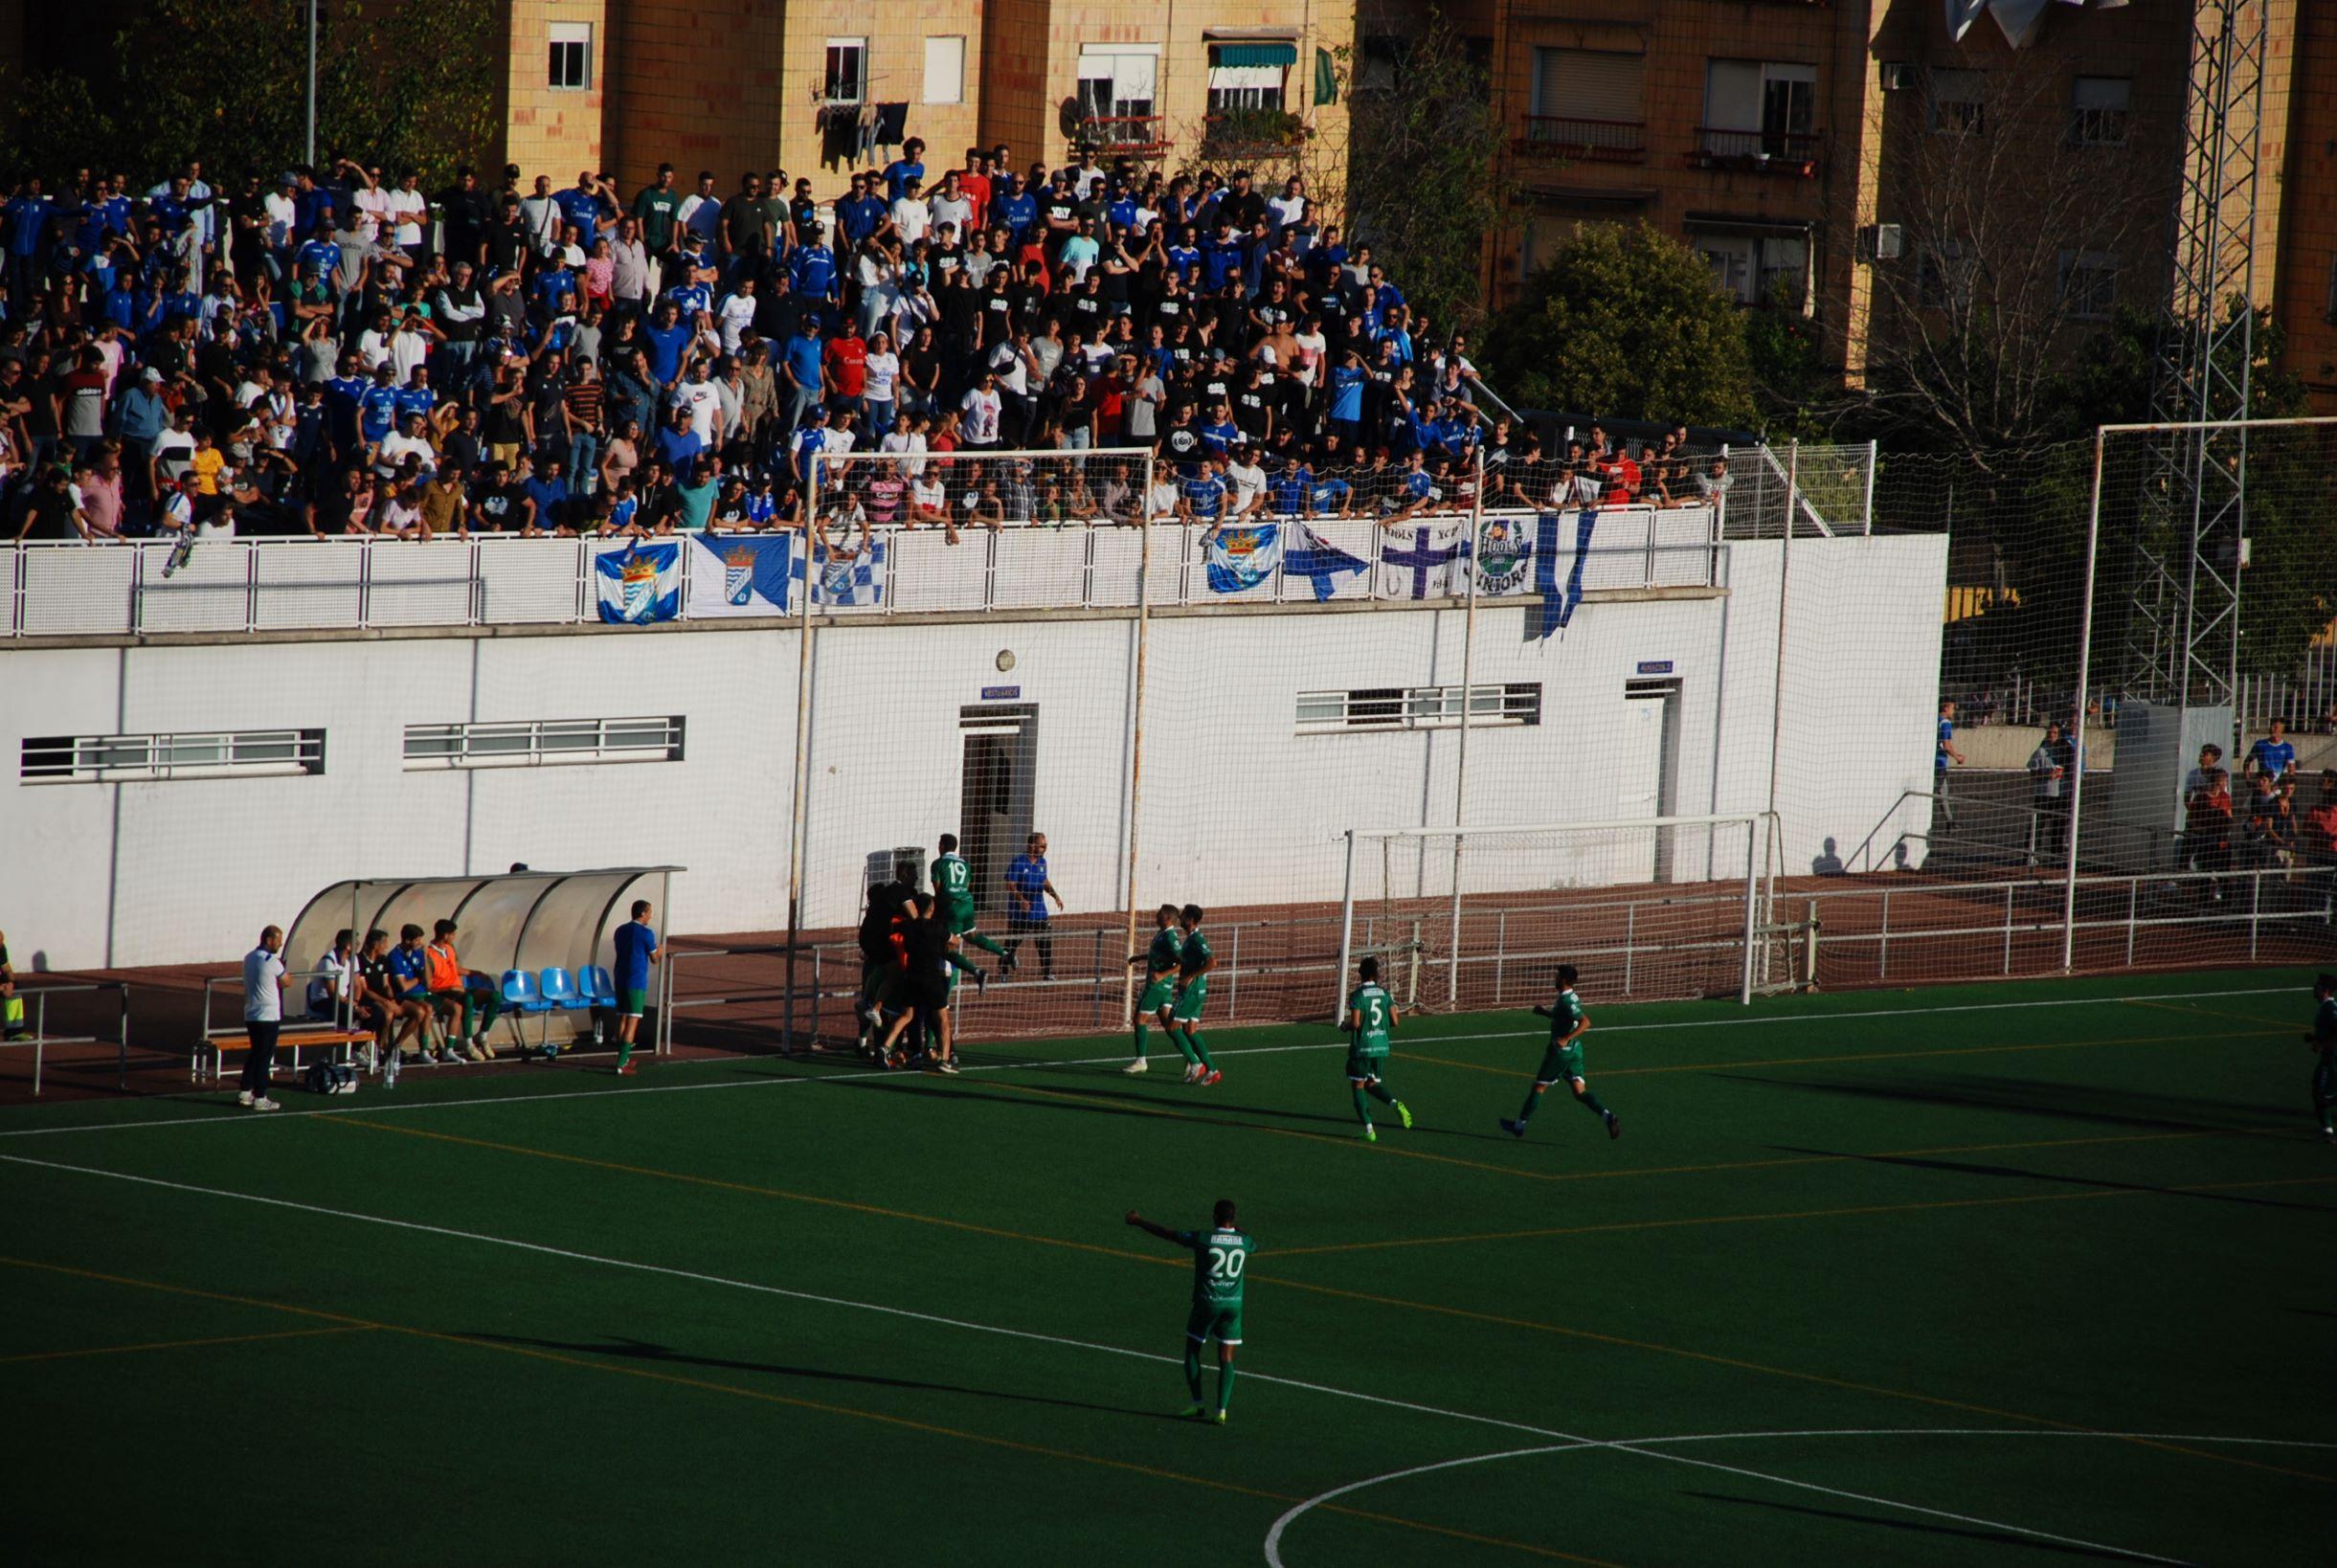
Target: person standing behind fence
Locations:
point(1026, 916)
point(2046, 773)
point(637, 949)
point(264, 1016)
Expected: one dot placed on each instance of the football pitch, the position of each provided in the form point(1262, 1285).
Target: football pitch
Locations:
point(1977, 1274)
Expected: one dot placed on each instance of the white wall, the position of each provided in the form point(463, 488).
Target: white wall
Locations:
point(1237, 806)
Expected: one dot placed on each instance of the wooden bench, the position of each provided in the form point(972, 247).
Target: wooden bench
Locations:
point(291, 1039)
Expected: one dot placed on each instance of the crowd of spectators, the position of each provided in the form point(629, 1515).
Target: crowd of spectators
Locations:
point(331, 352)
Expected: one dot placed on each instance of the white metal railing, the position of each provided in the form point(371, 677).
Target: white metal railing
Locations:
point(272, 585)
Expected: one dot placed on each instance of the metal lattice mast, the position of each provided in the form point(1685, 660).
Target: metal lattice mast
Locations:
point(2183, 637)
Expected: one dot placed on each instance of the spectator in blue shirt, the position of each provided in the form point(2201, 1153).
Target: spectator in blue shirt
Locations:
point(1026, 913)
point(2274, 754)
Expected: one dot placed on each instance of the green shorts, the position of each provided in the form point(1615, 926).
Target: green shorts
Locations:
point(632, 1001)
point(1209, 1321)
point(1190, 1001)
point(1157, 994)
point(1361, 1068)
point(1559, 1063)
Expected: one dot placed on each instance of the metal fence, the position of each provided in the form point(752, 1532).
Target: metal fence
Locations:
point(344, 584)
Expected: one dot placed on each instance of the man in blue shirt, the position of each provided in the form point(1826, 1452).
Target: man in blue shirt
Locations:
point(1026, 912)
point(2275, 754)
point(637, 949)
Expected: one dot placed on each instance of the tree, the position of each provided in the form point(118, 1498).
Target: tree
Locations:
point(407, 84)
point(1424, 188)
point(1626, 322)
point(2022, 227)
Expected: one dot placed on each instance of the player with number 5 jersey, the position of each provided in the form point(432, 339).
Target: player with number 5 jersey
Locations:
point(1221, 1257)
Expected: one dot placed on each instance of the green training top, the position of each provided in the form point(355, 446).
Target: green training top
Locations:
point(1219, 1259)
point(953, 877)
point(1195, 955)
point(1375, 1016)
point(1161, 957)
point(1565, 1013)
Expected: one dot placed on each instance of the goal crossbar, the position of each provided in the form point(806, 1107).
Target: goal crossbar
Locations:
point(1756, 855)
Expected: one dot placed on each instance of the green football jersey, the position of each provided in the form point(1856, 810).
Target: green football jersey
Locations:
point(1163, 955)
point(1375, 1016)
point(1219, 1258)
point(1195, 955)
point(953, 878)
point(1566, 1014)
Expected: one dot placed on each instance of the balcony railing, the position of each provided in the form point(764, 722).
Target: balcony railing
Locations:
point(1136, 134)
point(1793, 154)
point(1586, 141)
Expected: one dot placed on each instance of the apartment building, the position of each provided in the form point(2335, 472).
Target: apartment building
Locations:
point(756, 84)
point(1826, 157)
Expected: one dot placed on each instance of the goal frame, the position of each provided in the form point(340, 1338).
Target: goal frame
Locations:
point(1759, 861)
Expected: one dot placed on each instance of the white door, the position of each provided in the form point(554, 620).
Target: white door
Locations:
point(1640, 777)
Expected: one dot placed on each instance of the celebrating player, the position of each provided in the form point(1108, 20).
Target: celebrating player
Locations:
point(1159, 961)
point(2323, 1040)
point(1563, 1059)
point(1220, 1257)
point(1194, 962)
point(954, 888)
point(1371, 1019)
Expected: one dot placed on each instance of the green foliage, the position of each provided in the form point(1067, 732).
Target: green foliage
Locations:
point(411, 83)
point(1625, 321)
point(1423, 188)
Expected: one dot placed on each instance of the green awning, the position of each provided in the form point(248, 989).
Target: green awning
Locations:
point(1230, 55)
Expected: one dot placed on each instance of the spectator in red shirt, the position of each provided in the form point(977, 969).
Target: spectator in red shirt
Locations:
point(847, 370)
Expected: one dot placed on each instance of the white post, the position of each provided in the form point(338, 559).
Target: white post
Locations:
point(1460, 770)
point(1346, 929)
point(1136, 743)
point(802, 761)
point(2077, 771)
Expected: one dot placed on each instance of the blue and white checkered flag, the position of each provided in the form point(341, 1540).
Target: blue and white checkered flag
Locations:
point(846, 579)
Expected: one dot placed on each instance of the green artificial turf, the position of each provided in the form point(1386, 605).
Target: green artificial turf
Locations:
point(1900, 1261)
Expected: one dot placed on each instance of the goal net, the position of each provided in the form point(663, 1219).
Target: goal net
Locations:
point(1653, 909)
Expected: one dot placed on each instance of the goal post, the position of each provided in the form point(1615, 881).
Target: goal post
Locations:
point(1648, 907)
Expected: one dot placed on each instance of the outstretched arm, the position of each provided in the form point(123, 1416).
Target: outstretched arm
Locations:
point(1162, 1231)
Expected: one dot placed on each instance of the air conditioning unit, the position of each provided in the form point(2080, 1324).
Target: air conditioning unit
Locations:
point(1881, 242)
point(1898, 77)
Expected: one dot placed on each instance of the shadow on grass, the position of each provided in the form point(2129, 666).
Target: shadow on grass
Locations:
point(621, 1348)
point(1994, 1537)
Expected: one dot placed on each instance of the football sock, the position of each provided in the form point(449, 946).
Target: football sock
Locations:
point(1192, 1369)
point(1592, 1103)
point(1139, 1033)
point(1378, 1091)
point(1362, 1107)
point(1525, 1113)
point(1225, 1383)
point(1201, 1050)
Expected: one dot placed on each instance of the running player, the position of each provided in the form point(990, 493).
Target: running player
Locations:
point(2323, 1040)
point(954, 891)
point(1159, 961)
point(1563, 1061)
point(1371, 1019)
point(1221, 1255)
point(1194, 962)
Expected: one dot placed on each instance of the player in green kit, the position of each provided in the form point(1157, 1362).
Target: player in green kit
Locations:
point(1371, 1020)
point(954, 889)
point(1563, 1061)
point(2323, 1040)
point(1194, 962)
point(1221, 1255)
point(1161, 961)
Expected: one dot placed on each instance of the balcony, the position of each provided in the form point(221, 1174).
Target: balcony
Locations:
point(1584, 141)
point(1791, 154)
point(1134, 135)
